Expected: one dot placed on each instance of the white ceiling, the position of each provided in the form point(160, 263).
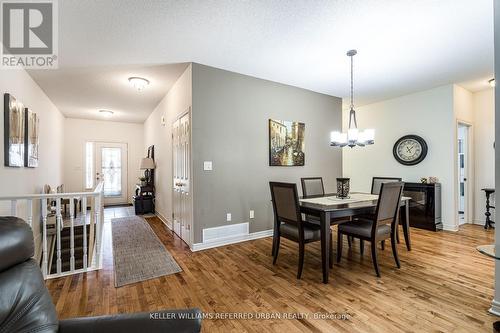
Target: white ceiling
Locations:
point(403, 46)
point(81, 92)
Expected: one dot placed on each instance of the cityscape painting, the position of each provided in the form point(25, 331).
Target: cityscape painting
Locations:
point(286, 143)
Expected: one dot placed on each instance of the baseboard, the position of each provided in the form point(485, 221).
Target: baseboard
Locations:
point(495, 308)
point(450, 227)
point(231, 240)
point(164, 220)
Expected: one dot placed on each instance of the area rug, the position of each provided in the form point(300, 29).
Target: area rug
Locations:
point(138, 254)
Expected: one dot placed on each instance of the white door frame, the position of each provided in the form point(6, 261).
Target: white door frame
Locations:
point(123, 199)
point(469, 167)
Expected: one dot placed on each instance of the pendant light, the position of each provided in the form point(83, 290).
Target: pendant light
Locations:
point(353, 137)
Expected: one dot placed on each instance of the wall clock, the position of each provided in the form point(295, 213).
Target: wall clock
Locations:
point(410, 150)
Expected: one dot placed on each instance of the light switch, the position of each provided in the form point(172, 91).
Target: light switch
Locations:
point(207, 166)
point(252, 214)
point(228, 217)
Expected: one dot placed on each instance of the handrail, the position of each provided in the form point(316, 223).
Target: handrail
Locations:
point(92, 248)
point(96, 191)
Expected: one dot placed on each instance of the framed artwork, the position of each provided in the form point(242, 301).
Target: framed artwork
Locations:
point(286, 143)
point(31, 129)
point(13, 132)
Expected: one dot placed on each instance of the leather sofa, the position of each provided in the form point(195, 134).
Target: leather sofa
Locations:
point(26, 305)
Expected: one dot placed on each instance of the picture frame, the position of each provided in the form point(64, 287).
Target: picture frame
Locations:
point(14, 135)
point(31, 138)
point(286, 143)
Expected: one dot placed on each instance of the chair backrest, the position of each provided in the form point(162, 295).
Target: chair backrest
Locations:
point(312, 186)
point(46, 189)
point(285, 203)
point(388, 204)
point(378, 181)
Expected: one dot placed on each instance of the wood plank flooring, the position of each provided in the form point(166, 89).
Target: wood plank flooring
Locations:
point(444, 285)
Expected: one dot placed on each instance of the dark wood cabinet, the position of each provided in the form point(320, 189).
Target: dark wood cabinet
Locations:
point(425, 205)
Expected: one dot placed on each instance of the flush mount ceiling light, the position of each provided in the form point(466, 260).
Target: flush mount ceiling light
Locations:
point(353, 137)
point(492, 83)
point(138, 83)
point(106, 113)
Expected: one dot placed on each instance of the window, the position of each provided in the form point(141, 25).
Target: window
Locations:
point(112, 171)
point(89, 165)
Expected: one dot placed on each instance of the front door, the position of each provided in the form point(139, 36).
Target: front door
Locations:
point(111, 167)
point(182, 177)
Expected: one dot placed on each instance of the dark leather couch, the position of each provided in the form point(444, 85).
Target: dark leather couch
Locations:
point(26, 306)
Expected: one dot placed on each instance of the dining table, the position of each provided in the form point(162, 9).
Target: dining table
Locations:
point(329, 208)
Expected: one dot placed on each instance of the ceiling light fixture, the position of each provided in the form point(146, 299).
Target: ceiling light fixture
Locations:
point(106, 113)
point(492, 83)
point(138, 83)
point(353, 137)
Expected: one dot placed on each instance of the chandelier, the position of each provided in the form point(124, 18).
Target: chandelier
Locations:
point(353, 137)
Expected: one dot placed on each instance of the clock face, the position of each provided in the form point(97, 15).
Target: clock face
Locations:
point(410, 150)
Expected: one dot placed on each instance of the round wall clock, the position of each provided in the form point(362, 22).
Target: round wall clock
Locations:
point(410, 150)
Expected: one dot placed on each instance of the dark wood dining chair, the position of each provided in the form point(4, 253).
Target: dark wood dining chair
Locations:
point(376, 184)
point(382, 226)
point(312, 186)
point(378, 181)
point(289, 223)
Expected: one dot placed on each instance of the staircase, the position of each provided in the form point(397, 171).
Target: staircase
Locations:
point(65, 249)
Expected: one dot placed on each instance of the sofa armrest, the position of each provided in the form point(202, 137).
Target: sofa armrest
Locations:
point(182, 321)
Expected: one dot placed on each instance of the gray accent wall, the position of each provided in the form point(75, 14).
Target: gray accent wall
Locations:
point(230, 114)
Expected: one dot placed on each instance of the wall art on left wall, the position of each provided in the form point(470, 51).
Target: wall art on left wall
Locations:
point(31, 127)
point(13, 132)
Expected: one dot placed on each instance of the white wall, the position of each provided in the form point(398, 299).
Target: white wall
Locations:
point(176, 102)
point(79, 131)
point(428, 114)
point(484, 136)
point(31, 180)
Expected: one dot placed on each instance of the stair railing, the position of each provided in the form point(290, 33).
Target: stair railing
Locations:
point(51, 207)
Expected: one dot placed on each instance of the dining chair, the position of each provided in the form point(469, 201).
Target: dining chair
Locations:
point(313, 186)
point(378, 181)
point(383, 225)
point(289, 223)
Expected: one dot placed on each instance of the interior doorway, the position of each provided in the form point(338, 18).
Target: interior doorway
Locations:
point(463, 172)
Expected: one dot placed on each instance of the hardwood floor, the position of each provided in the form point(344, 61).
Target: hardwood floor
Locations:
point(444, 285)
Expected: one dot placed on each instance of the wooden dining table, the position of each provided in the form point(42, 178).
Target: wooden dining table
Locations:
point(327, 212)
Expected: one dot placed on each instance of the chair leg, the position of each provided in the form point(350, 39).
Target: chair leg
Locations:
point(397, 235)
point(331, 250)
point(382, 244)
point(395, 251)
point(349, 241)
point(340, 240)
point(276, 246)
point(374, 257)
point(361, 246)
point(301, 260)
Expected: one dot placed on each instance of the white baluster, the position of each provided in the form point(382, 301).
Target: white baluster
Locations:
point(84, 220)
point(44, 238)
point(13, 207)
point(29, 212)
point(97, 211)
point(72, 234)
point(58, 233)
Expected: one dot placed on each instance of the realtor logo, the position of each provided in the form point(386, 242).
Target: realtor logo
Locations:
point(29, 34)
